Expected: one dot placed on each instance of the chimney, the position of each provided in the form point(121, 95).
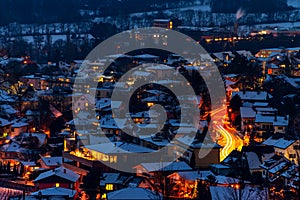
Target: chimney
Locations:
point(235, 28)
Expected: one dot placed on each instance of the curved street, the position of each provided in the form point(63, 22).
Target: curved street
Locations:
point(227, 137)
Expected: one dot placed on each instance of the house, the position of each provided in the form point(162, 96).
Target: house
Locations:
point(253, 96)
point(254, 163)
point(5, 129)
point(59, 177)
point(107, 155)
point(84, 102)
point(220, 169)
point(163, 23)
point(37, 81)
point(146, 58)
point(50, 162)
point(54, 193)
point(133, 193)
point(118, 154)
point(152, 169)
point(18, 127)
point(273, 69)
point(285, 146)
point(248, 117)
point(234, 165)
point(183, 182)
point(13, 150)
point(115, 181)
point(249, 193)
point(269, 123)
point(278, 170)
point(187, 149)
point(8, 112)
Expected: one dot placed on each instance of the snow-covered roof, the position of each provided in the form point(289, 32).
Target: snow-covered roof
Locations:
point(166, 166)
point(281, 142)
point(220, 55)
point(56, 113)
point(116, 104)
point(4, 122)
point(247, 112)
point(253, 160)
point(55, 191)
point(29, 164)
point(141, 73)
point(60, 172)
point(193, 175)
point(8, 109)
point(13, 147)
point(188, 140)
point(260, 104)
point(134, 193)
point(279, 167)
point(146, 56)
point(266, 110)
point(52, 161)
point(109, 178)
point(229, 193)
point(107, 122)
point(159, 67)
point(153, 140)
point(228, 82)
point(118, 147)
point(40, 136)
point(220, 166)
point(252, 95)
point(280, 121)
point(19, 124)
point(289, 80)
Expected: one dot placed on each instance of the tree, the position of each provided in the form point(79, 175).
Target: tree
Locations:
point(236, 103)
point(91, 182)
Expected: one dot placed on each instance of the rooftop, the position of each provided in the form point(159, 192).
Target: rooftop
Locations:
point(60, 172)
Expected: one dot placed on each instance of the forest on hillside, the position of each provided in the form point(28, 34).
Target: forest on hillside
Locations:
point(51, 11)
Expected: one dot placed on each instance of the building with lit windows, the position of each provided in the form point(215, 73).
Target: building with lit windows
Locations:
point(163, 23)
point(59, 177)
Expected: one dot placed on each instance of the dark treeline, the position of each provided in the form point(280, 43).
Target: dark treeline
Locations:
point(251, 6)
point(49, 11)
point(38, 11)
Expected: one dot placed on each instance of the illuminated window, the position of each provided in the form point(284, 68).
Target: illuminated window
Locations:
point(86, 104)
point(269, 71)
point(171, 24)
point(56, 184)
point(103, 196)
point(109, 187)
point(149, 104)
point(113, 159)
